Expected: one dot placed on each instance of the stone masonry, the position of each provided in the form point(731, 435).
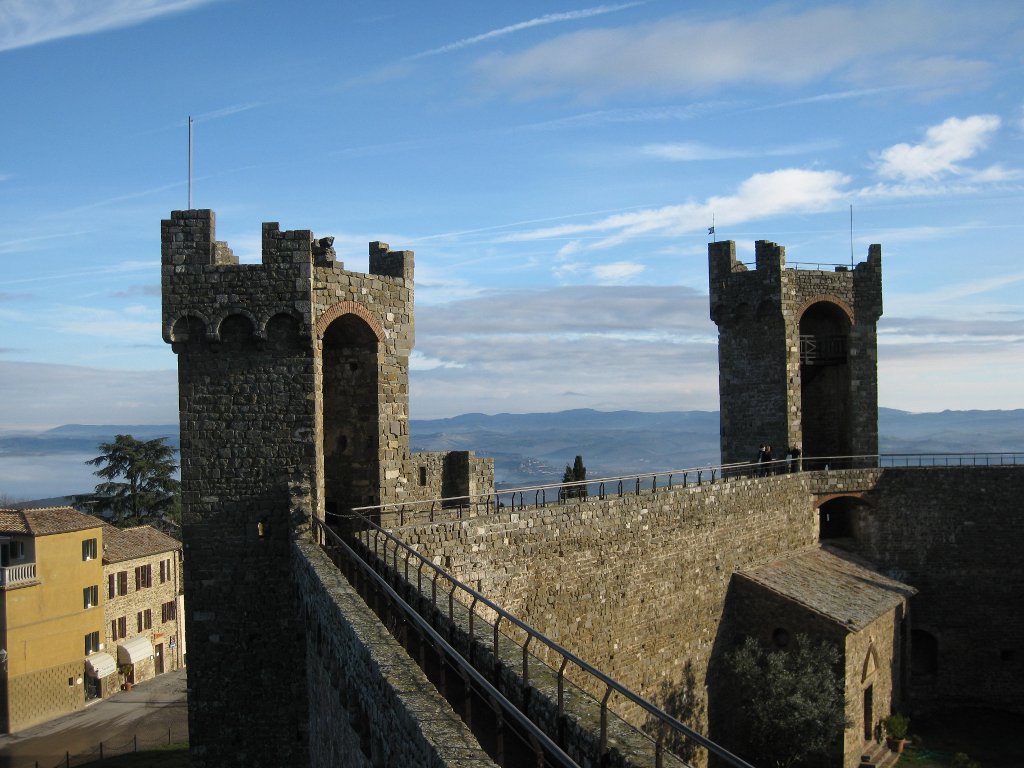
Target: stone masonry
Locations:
point(796, 353)
point(293, 380)
point(292, 374)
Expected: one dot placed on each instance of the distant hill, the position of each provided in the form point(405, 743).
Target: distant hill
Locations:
point(527, 448)
point(535, 447)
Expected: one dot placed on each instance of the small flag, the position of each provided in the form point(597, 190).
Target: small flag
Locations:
point(711, 230)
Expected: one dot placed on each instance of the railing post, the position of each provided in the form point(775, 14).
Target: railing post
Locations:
point(526, 665)
point(499, 727)
point(494, 650)
point(561, 701)
point(604, 725)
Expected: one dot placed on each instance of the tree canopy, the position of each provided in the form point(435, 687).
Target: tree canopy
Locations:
point(793, 702)
point(575, 480)
point(138, 478)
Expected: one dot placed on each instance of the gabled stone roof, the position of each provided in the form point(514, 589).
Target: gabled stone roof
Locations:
point(834, 584)
point(121, 544)
point(45, 521)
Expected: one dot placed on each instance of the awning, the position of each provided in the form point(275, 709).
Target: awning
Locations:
point(134, 650)
point(100, 665)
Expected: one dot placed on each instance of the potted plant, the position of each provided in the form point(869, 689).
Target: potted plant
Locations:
point(896, 727)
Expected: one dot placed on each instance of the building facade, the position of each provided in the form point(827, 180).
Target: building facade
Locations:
point(143, 585)
point(51, 609)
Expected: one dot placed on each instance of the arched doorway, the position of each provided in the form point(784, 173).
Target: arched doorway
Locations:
point(825, 383)
point(837, 518)
point(351, 415)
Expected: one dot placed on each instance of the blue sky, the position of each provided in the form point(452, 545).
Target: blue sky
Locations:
point(555, 166)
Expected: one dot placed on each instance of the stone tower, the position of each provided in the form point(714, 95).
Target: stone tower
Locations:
point(797, 353)
point(293, 397)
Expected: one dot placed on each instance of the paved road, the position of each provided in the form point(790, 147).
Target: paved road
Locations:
point(146, 712)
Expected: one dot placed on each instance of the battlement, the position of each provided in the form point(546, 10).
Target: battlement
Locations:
point(188, 238)
point(299, 276)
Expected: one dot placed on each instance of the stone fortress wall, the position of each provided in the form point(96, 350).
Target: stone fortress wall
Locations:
point(638, 586)
point(293, 378)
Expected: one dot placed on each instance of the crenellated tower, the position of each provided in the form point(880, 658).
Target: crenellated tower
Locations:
point(797, 352)
point(293, 395)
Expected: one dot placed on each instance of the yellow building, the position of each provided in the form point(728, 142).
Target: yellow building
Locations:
point(51, 613)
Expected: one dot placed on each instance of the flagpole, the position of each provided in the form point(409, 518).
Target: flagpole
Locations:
point(851, 235)
point(190, 162)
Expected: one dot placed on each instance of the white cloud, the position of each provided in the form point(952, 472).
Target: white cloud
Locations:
point(30, 22)
point(37, 395)
point(136, 324)
point(617, 271)
point(420, 362)
point(944, 146)
point(691, 151)
point(233, 109)
point(778, 46)
point(790, 190)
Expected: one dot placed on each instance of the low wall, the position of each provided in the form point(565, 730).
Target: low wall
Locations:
point(369, 704)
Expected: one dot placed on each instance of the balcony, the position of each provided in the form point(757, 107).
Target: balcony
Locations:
point(17, 575)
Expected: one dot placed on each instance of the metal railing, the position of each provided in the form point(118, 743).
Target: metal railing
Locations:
point(541, 496)
point(820, 266)
point(989, 459)
point(408, 564)
point(403, 513)
point(545, 750)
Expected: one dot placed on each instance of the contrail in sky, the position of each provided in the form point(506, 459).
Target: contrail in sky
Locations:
point(551, 18)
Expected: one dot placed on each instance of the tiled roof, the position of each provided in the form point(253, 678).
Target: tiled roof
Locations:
point(45, 521)
point(130, 543)
point(834, 584)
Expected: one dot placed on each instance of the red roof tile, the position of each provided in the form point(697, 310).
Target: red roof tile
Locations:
point(121, 544)
point(45, 521)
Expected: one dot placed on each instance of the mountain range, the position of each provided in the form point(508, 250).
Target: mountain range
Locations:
point(527, 448)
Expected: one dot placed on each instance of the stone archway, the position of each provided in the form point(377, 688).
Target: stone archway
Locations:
point(825, 398)
point(351, 413)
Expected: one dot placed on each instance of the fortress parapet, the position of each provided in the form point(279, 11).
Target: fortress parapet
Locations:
point(797, 352)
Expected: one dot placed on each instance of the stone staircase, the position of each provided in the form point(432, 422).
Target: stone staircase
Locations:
point(878, 755)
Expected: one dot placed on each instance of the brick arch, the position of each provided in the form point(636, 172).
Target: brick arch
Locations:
point(349, 308)
point(859, 495)
point(220, 317)
point(827, 298)
point(169, 328)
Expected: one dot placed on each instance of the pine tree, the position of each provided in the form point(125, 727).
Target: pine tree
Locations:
point(147, 485)
point(574, 479)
